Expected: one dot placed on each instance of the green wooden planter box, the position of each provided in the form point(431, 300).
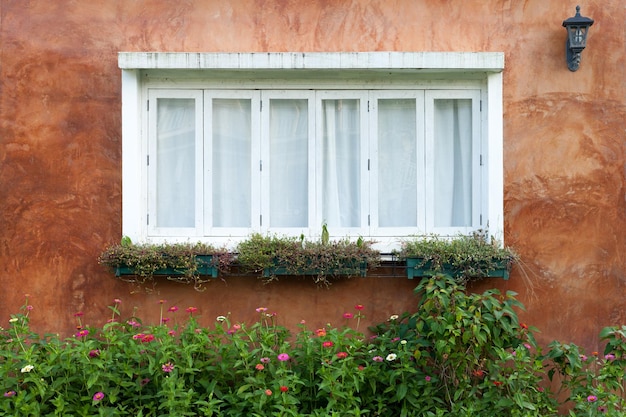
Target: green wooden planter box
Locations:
point(205, 267)
point(354, 269)
point(416, 267)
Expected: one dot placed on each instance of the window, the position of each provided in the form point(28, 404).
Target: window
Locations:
point(220, 152)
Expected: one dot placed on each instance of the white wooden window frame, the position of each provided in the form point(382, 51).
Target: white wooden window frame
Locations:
point(391, 70)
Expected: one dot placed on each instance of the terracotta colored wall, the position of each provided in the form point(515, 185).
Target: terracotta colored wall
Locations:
point(60, 146)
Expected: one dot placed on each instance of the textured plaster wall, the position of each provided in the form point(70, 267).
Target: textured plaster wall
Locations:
point(60, 148)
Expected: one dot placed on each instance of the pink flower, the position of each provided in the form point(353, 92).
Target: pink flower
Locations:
point(191, 310)
point(259, 367)
point(144, 381)
point(29, 307)
point(265, 360)
point(328, 344)
point(172, 309)
point(9, 394)
point(82, 333)
point(427, 378)
point(133, 323)
point(117, 301)
point(283, 388)
point(592, 398)
point(138, 336)
point(162, 301)
point(348, 315)
point(78, 314)
point(320, 332)
point(167, 367)
point(342, 355)
point(165, 320)
point(359, 307)
point(147, 338)
point(283, 357)
point(98, 396)
point(261, 309)
point(94, 353)
point(609, 357)
point(172, 333)
point(268, 392)
point(377, 359)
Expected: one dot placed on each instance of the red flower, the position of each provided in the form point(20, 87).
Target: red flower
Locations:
point(359, 307)
point(348, 315)
point(283, 388)
point(191, 310)
point(523, 325)
point(328, 344)
point(498, 383)
point(479, 373)
point(342, 355)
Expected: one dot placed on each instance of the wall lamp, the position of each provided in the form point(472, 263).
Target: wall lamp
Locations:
point(577, 28)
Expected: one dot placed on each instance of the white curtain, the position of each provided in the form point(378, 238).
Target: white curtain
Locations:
point(397, 163)
point(289, 130)
point(453, 157)
point(231, 162)
point(175, 169)
point(341, 182)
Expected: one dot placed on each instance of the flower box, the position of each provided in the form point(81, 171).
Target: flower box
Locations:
point(352, 268)
point(204, 262)
point(419, 267)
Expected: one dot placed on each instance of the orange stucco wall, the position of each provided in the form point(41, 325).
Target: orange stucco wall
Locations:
point(60, 149)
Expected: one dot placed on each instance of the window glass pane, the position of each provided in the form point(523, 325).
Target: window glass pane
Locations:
point(175, 143)
point(341, 182)
point(453, 157)
point(397, 163)
point(289, 128)
point(231, 161)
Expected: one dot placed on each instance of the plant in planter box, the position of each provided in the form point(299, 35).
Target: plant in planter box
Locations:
point(463, 257)
point(284, 255)
point(182, 262)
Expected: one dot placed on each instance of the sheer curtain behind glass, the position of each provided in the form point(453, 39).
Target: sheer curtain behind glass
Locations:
point(289, 129)
point(397, 163)
point(175, 144)
point(453, 158)
point(231, 162)
point(341, 182)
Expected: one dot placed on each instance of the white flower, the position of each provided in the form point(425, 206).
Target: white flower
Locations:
point(13, 320)
point(394, 317)
point(391, 357)
point(220, 319)
point(403, 342)
point(27, 368)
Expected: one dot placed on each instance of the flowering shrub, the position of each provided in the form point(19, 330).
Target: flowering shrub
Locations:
point(458, 355)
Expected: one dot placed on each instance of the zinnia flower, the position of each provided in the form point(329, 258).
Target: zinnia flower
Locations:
point(94, 353)
point(191, 310)
point(261, 309)
point(283, 388)
point(9, 394)
point(609, 357)
point(78, 314)
point(377, 358)
point(359, 307)
point(117, 301)
point(98, 396)
point(265, 360)
point(220, 319)
point(427, 378)
point(320, 332)
point(328, 344)
point(348, 315)
point(13, 320)
point(167, 367)
point(172, 309)
point(268, 392)
point(592, 398)
point(342, 355)
point(283, 357)
point(82, 333)
point(259, 367)
point(393, 317)
point(391, 357)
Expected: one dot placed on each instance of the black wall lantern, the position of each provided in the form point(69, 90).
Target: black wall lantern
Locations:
point(577, 28)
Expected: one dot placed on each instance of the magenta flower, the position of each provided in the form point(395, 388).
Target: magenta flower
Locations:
point(82, 333)
point(592, 399)
point(283, 357)
point(78, 314)
point(98, 396)
point(191, 310)
point(167, 367)
point(94, 353)
point(609, 357)
point(9, 394)
point(172, 309)
point(427, 378)
point(359, 307)
point(348, 315)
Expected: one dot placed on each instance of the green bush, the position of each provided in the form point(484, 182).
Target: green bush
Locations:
point(459, 354)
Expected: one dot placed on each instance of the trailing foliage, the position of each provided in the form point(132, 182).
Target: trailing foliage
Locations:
point(145, 260)
point(469, 257)
point(321, 259)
